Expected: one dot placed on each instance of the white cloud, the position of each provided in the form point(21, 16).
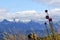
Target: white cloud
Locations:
point(55, 14)
point(26, 16)
point(3, 13)
point(55, 3)
point(2, 10)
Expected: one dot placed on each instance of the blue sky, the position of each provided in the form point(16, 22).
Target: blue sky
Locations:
point(26, 10)
point(22, 5)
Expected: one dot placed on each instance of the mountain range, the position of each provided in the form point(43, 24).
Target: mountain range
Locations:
point(32, 26)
